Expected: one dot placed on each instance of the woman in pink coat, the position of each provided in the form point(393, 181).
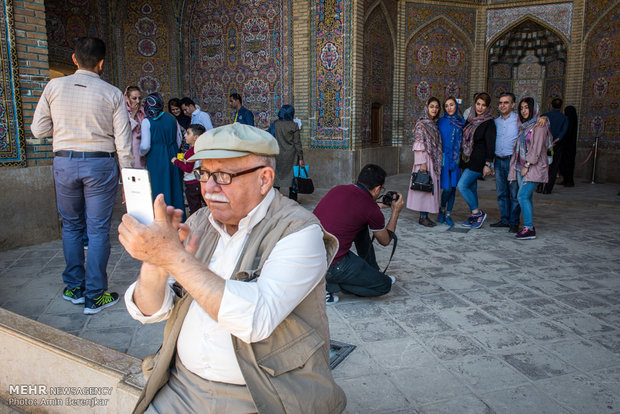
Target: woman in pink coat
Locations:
point(133, 100)
point(427, 158)
point(529, 165)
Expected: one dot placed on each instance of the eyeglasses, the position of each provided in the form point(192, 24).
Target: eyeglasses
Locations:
point(221, 177)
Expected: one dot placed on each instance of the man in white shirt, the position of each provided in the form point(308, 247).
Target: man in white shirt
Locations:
point(192, 110)
point(250, 329)
point(88, 121)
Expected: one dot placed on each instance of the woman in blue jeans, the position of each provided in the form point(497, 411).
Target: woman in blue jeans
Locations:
point(528, 164)
point(478, 152)
point(451, 129)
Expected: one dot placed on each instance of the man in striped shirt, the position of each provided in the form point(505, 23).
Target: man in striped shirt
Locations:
point(89, 124)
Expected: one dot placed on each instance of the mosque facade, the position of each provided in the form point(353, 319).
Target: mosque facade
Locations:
point(357, 72)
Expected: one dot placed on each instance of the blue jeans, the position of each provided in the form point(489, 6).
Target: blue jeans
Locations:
point(506, 193)
point(468, 187)
point(86, 185)
point(447, 199)
point(526, 189)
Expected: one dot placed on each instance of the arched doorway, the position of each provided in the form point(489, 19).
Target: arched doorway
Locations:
point(528, 60)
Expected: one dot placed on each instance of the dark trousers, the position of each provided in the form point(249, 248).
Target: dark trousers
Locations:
point(358, 275)
point(194, 197)
point(554, 167)
point(506, 193)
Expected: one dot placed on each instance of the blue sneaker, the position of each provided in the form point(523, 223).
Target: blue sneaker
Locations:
point(441, 218)
point(99, 303)
point(449, 221)
point(478, 220)
point(467, 223)
point(75, 295)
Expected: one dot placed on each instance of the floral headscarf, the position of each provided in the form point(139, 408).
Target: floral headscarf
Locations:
point(153, 105)
point(525, 131)
point(426, 131)
point(451, 130)
point(473, 122)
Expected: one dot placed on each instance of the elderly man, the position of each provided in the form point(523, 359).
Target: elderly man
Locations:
point(247, 330)
point(88, 121)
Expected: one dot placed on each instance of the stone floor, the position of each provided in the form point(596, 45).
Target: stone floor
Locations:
point(477, 321)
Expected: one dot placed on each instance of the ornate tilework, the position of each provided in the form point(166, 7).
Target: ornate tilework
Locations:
point(241, 46)
point(436, 65)
point(390, 5)
point(12, 148)
point(68, 20)
point(528, 87)
point(594, 10)
point(330, 71)
point(559, 16)
point(600, 115)
point(378, 75)
point(418, 15)
point(147, 59)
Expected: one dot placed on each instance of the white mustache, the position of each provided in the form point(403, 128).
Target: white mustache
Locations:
point(216, 197)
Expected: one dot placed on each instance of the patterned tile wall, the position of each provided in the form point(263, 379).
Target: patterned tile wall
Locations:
point(11, 128)
point(378, 75)
point(601, 98)
point(239, 46)
point(437, 64)
point(419, 15)
point(148, 58)
point(331, 73)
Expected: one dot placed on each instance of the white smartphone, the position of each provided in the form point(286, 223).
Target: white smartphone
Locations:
point(138, 196)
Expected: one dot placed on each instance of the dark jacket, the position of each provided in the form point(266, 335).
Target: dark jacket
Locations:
point(483, 148)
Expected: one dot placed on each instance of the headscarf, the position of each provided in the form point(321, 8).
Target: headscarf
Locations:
point(451, 131)
point(153, 106)
point(140, 114)
point(286, 113)
point(473, 122)
point(425, 130)
point(182, 119)
point(524, 138)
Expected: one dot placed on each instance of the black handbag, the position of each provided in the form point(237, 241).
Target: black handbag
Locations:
point(422, 181)
point(303, 185)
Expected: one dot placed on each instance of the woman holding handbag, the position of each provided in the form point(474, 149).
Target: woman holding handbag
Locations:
point(529, 165)
point(450, 127)
point(427, 160)
point(478, 153)
point(286, 132)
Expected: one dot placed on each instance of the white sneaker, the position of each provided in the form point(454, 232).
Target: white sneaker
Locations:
point(330, 298)
point(393, 279)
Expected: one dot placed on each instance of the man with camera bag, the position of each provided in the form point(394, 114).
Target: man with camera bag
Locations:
point(347, 212)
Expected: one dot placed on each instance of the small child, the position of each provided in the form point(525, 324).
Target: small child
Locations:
point(192, 186)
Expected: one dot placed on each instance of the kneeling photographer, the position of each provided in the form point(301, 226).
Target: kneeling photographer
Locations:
point(348, 212)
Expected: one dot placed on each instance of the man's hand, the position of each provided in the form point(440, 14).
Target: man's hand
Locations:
point(398, 204)
point(486, 171)
point(542, 121)
point(161, 242)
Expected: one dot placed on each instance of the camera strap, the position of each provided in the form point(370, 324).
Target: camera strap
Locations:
point(395, 239)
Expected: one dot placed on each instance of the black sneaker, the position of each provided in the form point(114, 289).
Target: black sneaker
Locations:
point(330, 298)
point(514, 228)
point(74, 295)
point(99, 303)
point(500, 224)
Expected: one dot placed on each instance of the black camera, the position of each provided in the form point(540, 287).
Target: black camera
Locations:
point(389, 197)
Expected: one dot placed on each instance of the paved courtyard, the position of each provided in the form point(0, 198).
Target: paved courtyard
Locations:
point(477, 321)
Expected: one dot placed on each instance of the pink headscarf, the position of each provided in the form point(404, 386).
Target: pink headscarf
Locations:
point(140, 114)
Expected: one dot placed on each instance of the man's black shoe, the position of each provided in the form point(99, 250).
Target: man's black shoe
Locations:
point(500, 224)
point(514, 228)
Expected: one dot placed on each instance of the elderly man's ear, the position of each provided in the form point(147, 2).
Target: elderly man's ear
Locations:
point(266, 177)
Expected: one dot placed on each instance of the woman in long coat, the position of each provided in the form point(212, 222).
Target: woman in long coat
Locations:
point(286, 132)
point(427, 157)
point(161, 139)
point(133, 98)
